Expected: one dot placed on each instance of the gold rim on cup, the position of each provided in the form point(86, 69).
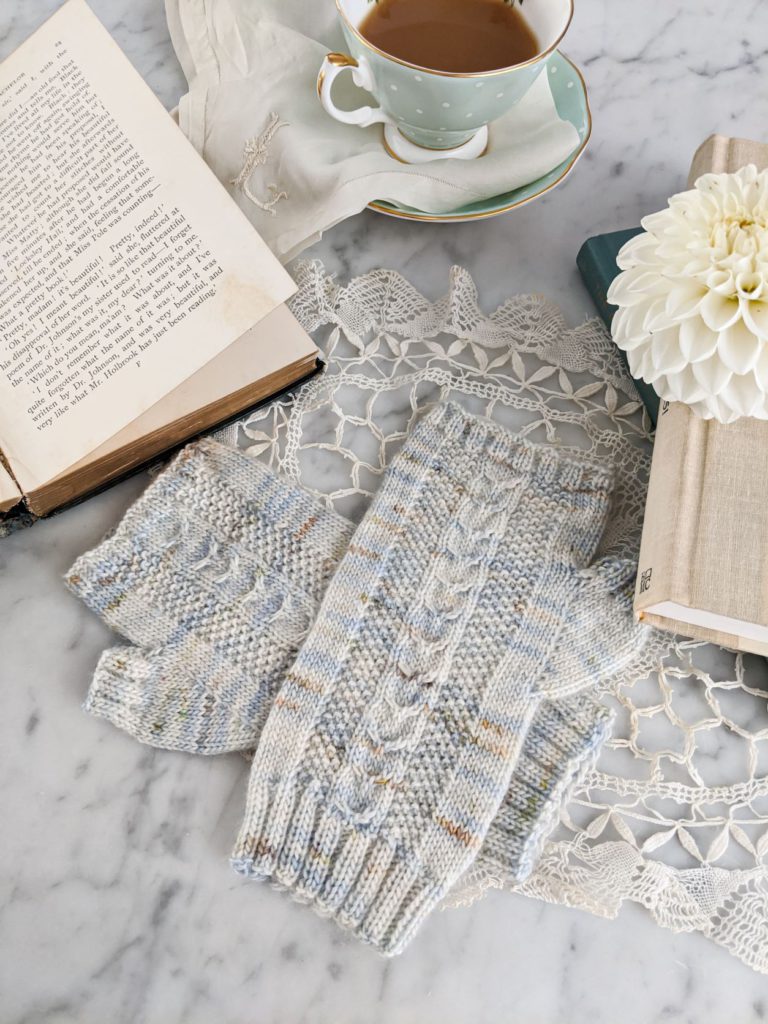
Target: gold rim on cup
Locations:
point(453, 74)
point(339, 60)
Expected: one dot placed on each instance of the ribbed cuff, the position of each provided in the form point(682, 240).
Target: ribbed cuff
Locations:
point(583, 485)
point(420, 676)
point(293, 836)
point(561, 746)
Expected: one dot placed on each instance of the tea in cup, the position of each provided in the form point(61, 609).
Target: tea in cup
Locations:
point(441, 70)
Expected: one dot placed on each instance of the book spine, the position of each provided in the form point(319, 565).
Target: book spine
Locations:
point(714, 154)
point(19, 518)
point(721, 154)
point(596, 261)
point(597, 266)
point(669, 526)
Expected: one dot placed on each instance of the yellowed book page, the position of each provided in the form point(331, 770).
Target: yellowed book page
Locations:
point(273, 344)
point(124, 265)
point(9, 492)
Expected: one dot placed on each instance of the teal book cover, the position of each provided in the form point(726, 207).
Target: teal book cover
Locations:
point(597, 263)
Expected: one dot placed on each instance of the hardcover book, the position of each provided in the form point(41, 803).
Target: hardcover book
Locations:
point(597, 264)
point(703, 569)
point(138, 306)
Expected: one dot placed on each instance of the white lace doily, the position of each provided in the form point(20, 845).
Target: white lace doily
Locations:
point(674, 814)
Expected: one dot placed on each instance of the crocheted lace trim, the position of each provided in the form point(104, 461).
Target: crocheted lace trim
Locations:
point(674, 815)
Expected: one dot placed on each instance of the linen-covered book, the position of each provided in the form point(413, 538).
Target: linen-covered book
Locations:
point(703, 569)
point(138, 306)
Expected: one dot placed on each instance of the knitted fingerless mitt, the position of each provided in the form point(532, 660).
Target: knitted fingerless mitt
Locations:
point(391, 744)
point(216, 573)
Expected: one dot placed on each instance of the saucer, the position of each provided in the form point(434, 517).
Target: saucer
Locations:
point(569, 92)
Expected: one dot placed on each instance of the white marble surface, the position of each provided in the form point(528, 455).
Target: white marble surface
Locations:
point(116, 900)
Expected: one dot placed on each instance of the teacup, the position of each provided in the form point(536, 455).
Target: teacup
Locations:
point(427, 113)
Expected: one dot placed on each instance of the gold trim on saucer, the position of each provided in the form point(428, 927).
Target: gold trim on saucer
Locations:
point(390, 152)
point(453, 74)
point(339, 60)
point(452, 218)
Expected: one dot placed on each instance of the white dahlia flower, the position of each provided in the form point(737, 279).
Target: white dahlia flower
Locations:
point(693, 297)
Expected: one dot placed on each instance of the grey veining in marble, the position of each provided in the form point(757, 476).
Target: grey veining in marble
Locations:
point(116, 899)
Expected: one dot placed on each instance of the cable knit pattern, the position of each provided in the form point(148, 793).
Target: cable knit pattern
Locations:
point(392, 741)
point(158, 698)
point(202, 574)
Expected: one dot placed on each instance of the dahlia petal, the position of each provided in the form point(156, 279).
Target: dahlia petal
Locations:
point(621, 292)
point(743, 393)
point(738, 347)
point(746, 279)
point(656, 316)
point(671, 251)
point(721, 281)
point(761, 367)
point(708, 408)
point(655, 223)
point(661, 387)
point(627, 325)
point(755, 315)
point(728, 415)
point(641, 363)
point(719, 312)
point(698, 264)
point(630, 344)
point(714, 408)
point(652, 373)
point(685, 387)
point(685, 299)
point(712, 374)
point(696, 340)
point(648, 281)
point(665, 349)
point(633, 362)
point(638, 251)
point(712, 181)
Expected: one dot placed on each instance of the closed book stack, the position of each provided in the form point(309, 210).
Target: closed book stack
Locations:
point(703, 568)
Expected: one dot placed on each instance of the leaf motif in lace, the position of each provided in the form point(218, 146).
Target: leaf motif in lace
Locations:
point(673, 815)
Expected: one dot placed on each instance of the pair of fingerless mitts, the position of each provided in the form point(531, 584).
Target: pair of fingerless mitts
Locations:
point(416, 690)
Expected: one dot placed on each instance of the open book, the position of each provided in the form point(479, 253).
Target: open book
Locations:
point(138, 306)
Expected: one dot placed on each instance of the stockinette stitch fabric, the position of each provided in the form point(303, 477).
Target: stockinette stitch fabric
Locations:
point(391, 744)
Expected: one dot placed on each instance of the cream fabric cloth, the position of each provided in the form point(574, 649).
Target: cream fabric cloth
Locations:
point(252, 67)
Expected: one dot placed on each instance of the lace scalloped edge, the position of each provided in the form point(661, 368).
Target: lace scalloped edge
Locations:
point(729, 906)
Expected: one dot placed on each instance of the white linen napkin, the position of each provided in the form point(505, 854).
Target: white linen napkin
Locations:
point(252, 70)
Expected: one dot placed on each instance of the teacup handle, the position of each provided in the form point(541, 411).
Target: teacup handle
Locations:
point(332, 67)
